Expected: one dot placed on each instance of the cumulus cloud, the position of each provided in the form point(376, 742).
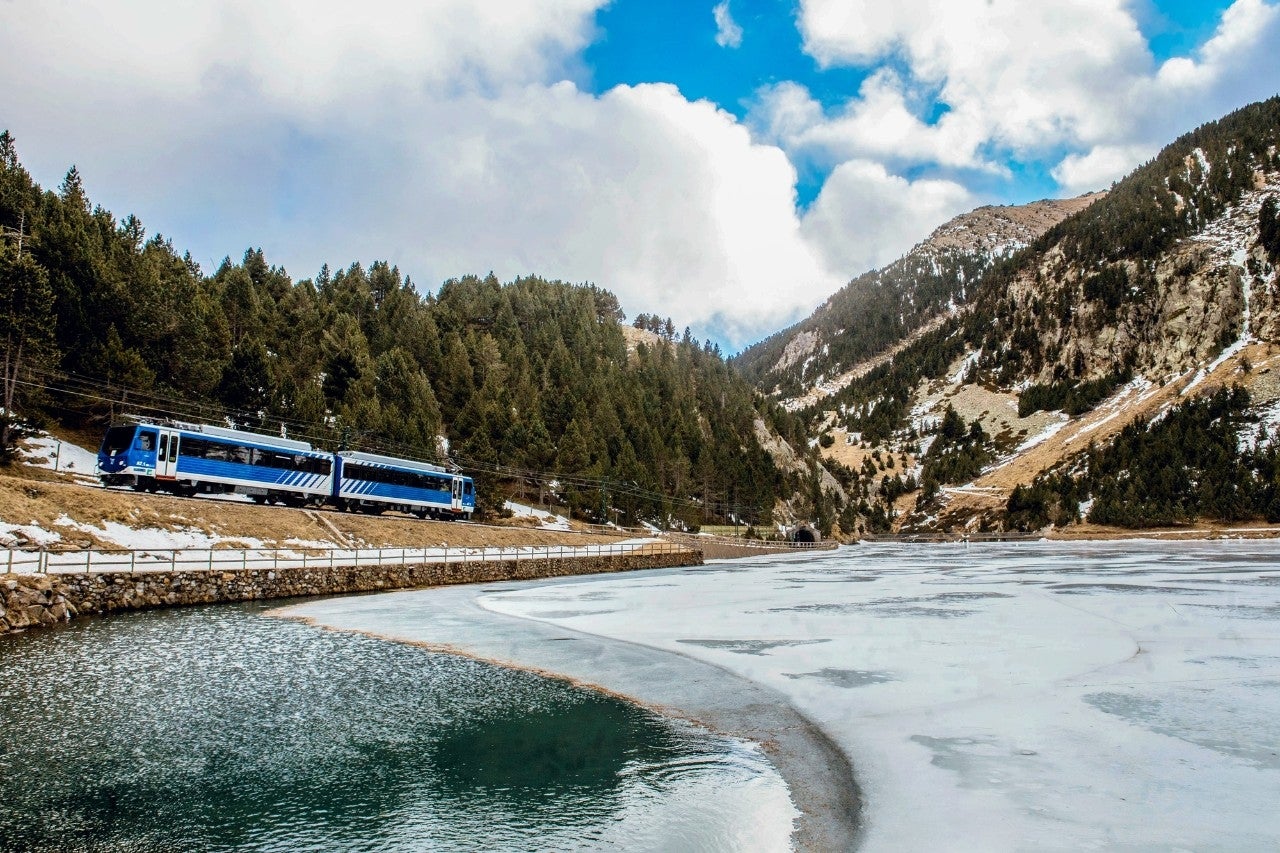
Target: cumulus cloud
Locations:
point(881, 123)
point(447, 146)
point(866, 217)
point(1023, 80)
point(1103, 164)
point(728, 33)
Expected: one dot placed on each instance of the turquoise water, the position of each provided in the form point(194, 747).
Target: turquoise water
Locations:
point(219, 729)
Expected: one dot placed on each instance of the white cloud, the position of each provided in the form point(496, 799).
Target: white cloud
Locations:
point(1097, 169)
point(474, 159)
point(296, 52)
point(1023, 79)
point(666, 202)
point(866, 217)
point(728, 33)
point(881, 123)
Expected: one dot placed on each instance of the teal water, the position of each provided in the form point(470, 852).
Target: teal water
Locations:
point(220, 729)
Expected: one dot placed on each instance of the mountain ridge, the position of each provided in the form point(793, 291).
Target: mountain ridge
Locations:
point(1164, 288)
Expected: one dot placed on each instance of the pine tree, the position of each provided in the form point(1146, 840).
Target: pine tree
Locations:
point(26, 330)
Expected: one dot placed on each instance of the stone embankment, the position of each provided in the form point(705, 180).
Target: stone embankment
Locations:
point(35, 600)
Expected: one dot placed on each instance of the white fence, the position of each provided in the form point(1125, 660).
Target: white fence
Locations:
point(53, 561)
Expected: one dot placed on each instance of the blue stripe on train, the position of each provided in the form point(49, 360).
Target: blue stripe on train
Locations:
point(253, 475)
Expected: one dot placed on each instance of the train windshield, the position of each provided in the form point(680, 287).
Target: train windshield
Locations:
point(118, 439)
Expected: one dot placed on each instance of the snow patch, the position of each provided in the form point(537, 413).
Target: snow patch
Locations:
point(46, 451)
point(546, 520)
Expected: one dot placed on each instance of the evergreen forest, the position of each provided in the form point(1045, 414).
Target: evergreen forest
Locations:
point(1208, 458)
point(531, 383)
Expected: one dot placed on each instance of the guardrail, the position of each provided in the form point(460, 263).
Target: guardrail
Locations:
point(56, 561)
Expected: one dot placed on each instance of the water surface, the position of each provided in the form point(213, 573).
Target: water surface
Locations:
point(218, 729)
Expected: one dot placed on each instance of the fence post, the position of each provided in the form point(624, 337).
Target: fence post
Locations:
point(42, 565)
point(10, 561)
point(210, 559)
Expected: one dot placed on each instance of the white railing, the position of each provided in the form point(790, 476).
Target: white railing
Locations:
point(57, 561)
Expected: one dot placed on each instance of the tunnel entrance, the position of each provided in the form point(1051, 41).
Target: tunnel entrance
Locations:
point(805, 534)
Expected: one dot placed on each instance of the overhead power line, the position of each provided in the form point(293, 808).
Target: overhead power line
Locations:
point(161, 405)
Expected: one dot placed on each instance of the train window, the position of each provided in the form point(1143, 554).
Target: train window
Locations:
point(164, 447)
point(219, 452)
point(195, 447)
point(315, 465)
point(391, 477)
point(466, 488)
point(118, 439)
point(146, 440)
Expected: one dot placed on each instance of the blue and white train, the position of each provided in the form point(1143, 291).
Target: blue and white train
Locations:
point(188, 458)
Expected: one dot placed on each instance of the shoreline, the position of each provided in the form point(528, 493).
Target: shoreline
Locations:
point(818, 774)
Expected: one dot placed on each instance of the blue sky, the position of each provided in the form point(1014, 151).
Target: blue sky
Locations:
point(650, 41)
point(729, 163)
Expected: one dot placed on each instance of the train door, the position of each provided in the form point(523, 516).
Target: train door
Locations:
point(167, 455)
point(457, 494)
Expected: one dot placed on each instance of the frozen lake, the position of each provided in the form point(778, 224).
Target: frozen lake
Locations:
point(989, 697)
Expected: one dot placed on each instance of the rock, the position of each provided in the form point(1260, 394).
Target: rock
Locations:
point(27, 595)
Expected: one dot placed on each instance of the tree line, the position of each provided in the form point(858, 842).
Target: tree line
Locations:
point(530, 382)
point(1207, 459)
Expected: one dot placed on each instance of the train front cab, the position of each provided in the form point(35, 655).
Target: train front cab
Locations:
point(143, 456)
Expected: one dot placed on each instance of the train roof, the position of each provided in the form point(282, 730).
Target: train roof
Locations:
point(273, 441)
point(393, 462)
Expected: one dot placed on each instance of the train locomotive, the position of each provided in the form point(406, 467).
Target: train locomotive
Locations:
point(186, 459)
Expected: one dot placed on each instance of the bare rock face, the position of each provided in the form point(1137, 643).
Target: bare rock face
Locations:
point(1180, 309)
point(999, 229)
point(821, 355)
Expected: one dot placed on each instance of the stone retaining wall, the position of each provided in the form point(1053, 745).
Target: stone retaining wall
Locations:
point(28, 601)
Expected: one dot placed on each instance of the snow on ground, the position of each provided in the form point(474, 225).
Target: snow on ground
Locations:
point(546, 520)
point(1044, 435)
point(1268, 417)
point(1033, 696)
point(13, 533)
point(46, 451)
point(155, 538)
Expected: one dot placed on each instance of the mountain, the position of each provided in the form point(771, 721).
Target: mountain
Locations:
point(864, 322)
point(977, 386)
point(531, 385)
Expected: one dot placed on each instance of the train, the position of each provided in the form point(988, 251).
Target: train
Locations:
point(187, 459)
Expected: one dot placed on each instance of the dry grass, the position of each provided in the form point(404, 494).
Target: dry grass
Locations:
point(989, 493)
point(37, 497)
point(853, 455)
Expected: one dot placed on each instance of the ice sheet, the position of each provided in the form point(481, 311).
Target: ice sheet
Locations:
point(1038, 696)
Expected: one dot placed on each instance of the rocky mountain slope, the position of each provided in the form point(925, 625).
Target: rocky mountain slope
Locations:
point(869, 319)
point(1014, 372)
